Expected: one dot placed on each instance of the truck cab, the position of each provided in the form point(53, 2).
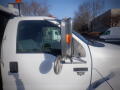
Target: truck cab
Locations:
point(38, 53)
point(33, 58)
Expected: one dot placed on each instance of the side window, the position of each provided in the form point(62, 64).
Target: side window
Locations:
point(78, 49)
point(38, 37)
point(107, 33)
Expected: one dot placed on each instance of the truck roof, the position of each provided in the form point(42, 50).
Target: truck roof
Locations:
point(8, 10)
point(20, 18)
point(34, 18)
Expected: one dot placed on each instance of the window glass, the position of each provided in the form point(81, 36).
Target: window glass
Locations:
point(36, 36)
point(107, 33)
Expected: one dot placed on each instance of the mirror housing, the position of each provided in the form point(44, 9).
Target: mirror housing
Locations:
point(66, 37)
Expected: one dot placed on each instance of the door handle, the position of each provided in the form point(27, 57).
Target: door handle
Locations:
point(1, 62)
point(13, 67)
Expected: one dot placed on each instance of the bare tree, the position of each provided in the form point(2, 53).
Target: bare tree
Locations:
point(86, 12)
point(34, 9)
point(82, 16)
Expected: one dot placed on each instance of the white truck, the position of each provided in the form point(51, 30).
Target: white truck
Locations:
point(38, 54)
point(111, 35)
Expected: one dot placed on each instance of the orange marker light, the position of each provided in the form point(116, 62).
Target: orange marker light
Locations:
point(18, 1)
point(68, 38)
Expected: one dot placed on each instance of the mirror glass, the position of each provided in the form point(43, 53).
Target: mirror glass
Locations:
point(66, 30)
point(58, 65)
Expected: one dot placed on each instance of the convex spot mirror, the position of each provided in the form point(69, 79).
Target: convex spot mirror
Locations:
point(58, 64)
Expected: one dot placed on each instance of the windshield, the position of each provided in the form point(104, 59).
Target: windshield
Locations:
point(81, 37)
point(35, 36)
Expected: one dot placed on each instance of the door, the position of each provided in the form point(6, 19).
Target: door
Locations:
point(30, 66)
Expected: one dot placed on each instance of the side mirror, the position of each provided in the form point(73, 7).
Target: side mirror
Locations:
point(66, 37)
point(66, 44)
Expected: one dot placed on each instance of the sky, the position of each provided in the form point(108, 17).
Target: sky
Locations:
point(67, 8)
point(64, 8)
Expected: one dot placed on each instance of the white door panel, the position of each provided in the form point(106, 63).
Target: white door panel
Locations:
point(35, 72)
point(45, 78)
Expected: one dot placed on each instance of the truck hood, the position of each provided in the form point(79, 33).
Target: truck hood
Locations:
point(101, 49)
point(106, 60)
